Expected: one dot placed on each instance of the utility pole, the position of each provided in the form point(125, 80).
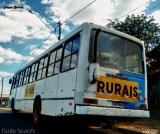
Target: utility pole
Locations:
point(59, 34)
point(2, 90)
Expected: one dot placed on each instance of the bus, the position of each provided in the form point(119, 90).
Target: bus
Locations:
point(94, 70)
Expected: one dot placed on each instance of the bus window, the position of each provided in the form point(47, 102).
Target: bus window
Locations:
point(33, 72)
point(51, 63)
point(42, 68)
point(21, 78)
point(52, 57)
point(70, 54)
point(17, 80)
point(117, 52)
point(59, 53)
point(76, 44)
point(68, 49)
point(56, 69)
point(74, 61)
point(26, 76)
point(13, 83)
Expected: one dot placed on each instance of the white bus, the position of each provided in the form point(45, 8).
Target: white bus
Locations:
point(92, 71)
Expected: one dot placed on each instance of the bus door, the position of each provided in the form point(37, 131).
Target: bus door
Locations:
point(67, 77)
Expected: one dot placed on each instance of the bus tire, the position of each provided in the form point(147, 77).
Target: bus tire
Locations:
point(14, 111)
point(36, 112)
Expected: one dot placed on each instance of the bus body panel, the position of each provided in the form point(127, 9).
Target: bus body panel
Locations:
point(50, 94)
point(21, 98)
point(83, 63)
point(107, 111)
point(17, 101)
point(66, 92)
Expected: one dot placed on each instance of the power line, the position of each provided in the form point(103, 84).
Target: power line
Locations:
point(59, 23)
point(41, 20)
point(31, 55)
point(79, 11)
point(34, 52)
point(43, 16)
point(134, 9)
point(53, 31)
point(38, 11)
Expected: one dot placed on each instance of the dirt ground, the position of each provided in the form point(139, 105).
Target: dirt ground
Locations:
point(144, 126)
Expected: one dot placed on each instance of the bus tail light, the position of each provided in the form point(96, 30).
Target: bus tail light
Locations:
point(90, 101)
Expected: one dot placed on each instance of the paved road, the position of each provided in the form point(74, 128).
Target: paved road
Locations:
point(22, 123)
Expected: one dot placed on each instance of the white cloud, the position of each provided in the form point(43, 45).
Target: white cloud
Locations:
point(156, 15)
point(46, 1)
point(5, 74)
point(8, 56)
point(36, 52)
point(21, 24)
point(31, 47)
point(98, 12)
point(50, 42)
point(1, 60)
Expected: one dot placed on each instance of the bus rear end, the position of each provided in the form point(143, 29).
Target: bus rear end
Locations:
point(117, 76)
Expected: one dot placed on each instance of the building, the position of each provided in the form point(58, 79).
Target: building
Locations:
point(4, 99)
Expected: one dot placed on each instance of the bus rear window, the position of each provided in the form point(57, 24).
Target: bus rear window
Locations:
point(120, 53)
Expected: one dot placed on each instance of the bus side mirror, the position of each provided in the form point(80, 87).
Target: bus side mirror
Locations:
point(10, 81)
point(93, 72)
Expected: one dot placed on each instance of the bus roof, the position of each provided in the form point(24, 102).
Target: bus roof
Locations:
point(80, 28)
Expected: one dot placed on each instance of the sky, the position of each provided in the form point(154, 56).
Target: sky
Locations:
point(26, 24)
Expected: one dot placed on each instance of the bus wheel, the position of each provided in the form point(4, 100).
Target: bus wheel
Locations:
point(36, 112)
point(14, 111)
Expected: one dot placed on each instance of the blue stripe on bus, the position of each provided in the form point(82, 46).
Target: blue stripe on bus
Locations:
point(129, 74)
point(140, 78)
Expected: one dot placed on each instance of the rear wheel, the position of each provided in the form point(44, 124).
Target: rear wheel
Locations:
point(14, 111)
point(37, 112)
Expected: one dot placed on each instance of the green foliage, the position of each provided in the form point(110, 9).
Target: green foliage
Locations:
point(142, 27)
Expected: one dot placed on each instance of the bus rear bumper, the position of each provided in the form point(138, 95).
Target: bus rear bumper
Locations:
point(92, 110)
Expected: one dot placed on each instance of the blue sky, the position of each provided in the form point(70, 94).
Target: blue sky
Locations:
point(22, 32)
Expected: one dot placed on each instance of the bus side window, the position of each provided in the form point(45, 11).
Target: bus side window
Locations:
point(42, 68)
point(71, 54)
point(75, 50)
point(67, 56)
point(35, 71)
point(26, 76)
point(58, 60)
point(51, 63)
point(32, 72)
point(13, 83)
point(17, 80)
point(21, 78)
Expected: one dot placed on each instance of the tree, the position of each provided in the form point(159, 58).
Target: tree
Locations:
point(142, 27)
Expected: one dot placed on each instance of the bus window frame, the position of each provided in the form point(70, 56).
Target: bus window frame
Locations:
point(92, 56)
point(45, 56)
point(71, 39)
point(52, 51)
